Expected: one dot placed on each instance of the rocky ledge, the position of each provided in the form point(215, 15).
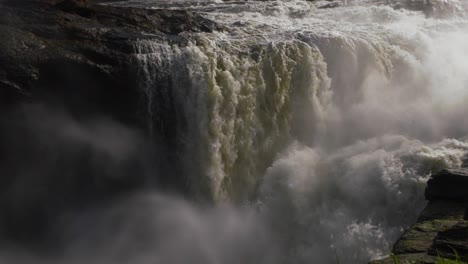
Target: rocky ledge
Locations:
point(442, 228)
point(79, 52)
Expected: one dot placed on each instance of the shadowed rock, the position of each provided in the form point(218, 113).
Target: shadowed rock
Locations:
point(448, 184)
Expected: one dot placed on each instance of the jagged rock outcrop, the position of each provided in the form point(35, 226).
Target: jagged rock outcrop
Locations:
point(442, 228)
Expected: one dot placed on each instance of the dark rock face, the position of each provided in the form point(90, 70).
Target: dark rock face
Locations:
point(448, 184)
point(442, 228)
point(79, 57)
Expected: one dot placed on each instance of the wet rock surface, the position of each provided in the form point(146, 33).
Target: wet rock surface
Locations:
point(80, 52)
point(442, 228)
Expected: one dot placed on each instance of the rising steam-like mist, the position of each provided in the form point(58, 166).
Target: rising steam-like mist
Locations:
point(312, 131)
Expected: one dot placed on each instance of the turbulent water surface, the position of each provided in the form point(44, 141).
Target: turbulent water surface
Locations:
point(321, 125)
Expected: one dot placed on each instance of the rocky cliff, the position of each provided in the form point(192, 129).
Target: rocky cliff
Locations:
point(442, 228)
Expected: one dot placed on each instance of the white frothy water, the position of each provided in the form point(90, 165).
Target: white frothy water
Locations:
point(354, 203)
point(334, 118)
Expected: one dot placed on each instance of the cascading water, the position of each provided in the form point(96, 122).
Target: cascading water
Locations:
point(236, 109)
point(328, 121)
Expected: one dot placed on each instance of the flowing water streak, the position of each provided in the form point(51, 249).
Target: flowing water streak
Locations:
point(153, 59)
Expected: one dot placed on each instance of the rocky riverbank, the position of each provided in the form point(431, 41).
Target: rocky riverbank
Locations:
point(442, 228)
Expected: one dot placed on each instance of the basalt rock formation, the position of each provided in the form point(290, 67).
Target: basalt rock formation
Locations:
point(442, 228)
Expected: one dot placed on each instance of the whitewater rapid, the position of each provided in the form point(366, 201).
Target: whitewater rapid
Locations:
point(325, 121)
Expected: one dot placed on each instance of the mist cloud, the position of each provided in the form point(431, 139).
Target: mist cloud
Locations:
point(52, 162)
point(353, 203)
point(78, 191)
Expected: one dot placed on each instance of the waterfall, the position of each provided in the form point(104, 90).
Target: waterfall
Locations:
point(235, 109)
point(234, 100)
point(328, 120)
